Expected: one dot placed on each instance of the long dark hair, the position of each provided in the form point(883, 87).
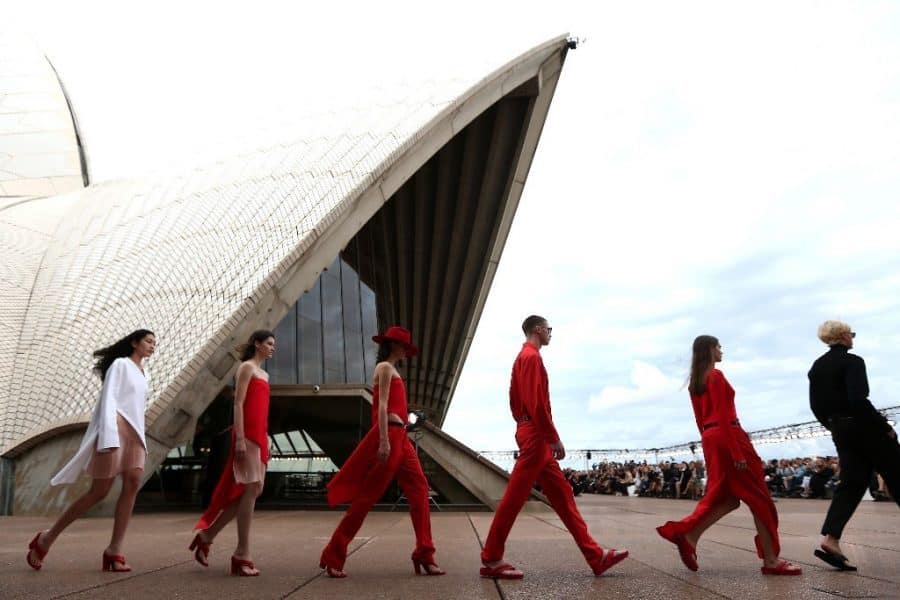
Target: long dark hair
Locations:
point(248, 350)
point(122, 348)
point(701, 363)
point(384, 351)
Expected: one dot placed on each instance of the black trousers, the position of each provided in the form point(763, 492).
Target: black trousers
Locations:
point(862, 449)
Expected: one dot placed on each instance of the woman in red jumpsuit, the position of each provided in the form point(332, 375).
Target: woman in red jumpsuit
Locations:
point(734, 470)
point(245, 470)
point(383, 454)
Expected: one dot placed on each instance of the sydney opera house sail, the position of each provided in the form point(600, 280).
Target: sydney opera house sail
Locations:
point(408, 191)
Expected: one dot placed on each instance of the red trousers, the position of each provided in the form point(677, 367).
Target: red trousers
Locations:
point(536, 463)
point(402, 464)
point(725, 484)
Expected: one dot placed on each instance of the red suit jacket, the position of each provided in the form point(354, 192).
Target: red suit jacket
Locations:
point(529, 392)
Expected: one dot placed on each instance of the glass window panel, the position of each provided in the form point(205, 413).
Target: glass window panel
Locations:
point(309, 327)
point(332, 325)
point(353, 338)
point(297, 439)
point(369, 328)
point(282, 367)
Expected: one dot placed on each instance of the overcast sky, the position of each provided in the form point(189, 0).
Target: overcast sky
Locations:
point(704, 169)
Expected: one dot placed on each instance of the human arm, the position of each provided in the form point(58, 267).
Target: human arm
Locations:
point(244, 375)
point(536, 386)
point(383, 374)
point(857, 384)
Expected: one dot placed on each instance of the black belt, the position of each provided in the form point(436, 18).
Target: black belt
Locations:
point(396, 424)
point(716, 424)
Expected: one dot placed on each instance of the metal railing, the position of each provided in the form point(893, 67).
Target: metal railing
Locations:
point(772, 435)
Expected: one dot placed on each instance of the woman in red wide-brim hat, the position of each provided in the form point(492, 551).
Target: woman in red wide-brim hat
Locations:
point(384, 454)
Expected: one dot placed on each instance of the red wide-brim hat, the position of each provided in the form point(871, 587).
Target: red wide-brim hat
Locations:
point(400, 335)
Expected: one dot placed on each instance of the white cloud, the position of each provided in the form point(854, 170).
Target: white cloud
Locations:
point(648, 384)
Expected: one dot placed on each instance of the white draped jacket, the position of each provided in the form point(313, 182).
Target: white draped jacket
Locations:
point(124, 393)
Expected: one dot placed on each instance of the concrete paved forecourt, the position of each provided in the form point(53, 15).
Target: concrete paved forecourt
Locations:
point(286, 546)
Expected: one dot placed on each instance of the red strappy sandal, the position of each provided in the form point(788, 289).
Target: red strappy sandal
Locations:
point(686, 551)
point(110, 562)
point(238, 565)
point(201, 550)
point(609, 559)
point(33, 547)
point(332, 572)
point(782, 568)
point(502, 571)
point(428, 568)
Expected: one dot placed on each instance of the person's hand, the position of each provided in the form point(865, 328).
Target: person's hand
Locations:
point(740, 465)
point(559, 451)
point(240, 449)
point(384, 451)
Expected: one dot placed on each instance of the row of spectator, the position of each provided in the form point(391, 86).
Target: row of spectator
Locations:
point(789, 478)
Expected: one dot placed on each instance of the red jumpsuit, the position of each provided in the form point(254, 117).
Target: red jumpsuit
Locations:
point(529, 400)
point(256, 429)
point(724, 444)
point(363, 480)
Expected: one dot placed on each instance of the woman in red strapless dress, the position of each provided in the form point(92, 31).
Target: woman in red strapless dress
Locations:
point(383, 454)
point(245, 471)
point(733, 469)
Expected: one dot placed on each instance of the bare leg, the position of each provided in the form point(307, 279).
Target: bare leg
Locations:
point(719, 511)
point(131, 483)
point(99, 489)
point(246, 503)
point(770, 559)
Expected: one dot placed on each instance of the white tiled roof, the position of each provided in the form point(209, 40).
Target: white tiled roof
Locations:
point(180, 254)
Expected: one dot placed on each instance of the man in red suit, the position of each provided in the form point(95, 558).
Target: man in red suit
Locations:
point(539, 450)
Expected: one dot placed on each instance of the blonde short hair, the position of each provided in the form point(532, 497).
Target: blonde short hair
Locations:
point(831, 332)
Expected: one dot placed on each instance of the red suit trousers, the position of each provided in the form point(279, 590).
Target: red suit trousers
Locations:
point(536, 463)
point(402, 464)
point(725, 483)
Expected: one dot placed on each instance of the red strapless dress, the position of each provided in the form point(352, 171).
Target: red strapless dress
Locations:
point(256, 429)
point(344, 486)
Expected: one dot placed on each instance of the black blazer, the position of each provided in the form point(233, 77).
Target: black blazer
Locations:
point(838, 386)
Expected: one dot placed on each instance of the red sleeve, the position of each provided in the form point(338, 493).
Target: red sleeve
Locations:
point(722, 397)
point(536, 386)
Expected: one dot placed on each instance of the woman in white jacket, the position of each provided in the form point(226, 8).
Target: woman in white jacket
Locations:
point(113, 444)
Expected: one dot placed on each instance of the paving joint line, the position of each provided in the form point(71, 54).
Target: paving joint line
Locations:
point(648, 565)
point(500, 591)
point(121, 579)
point(816, 566)
point(349, 554)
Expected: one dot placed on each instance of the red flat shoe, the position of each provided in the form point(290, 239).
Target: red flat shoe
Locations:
point(429, 568)
point(111, 560)
point(331, 572)
point(201, 550)
point(503, 571)
point(610, 559)
point(238, 565)
point(782, 568)
point(33, 547)
point(686, 551)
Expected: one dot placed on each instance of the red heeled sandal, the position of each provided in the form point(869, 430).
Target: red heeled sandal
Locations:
point(201, 550)
point(782, 568)
point(34, 547)
point(111, 560)
point(238, 565)
point(610, 558)
point(428, 568)
point(332, 572)
point(501, 571)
